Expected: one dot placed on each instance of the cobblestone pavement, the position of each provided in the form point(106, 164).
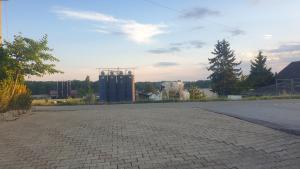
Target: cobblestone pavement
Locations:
point(142, 136)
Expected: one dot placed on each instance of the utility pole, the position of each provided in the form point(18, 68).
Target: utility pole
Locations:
point(1, 35)
point(1, 23)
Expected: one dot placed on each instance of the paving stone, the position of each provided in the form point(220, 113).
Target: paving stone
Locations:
point(142, 136)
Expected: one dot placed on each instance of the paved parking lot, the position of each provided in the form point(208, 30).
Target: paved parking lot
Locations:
point(282, 115)
point(142, 136)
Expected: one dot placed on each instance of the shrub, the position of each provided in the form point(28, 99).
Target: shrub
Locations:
point(196, 94)
point(90, 99)
point(6, 88)
point(21, 100)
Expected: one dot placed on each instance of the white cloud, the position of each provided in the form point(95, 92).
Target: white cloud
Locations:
point(86, 15)
point(288, 47)
point(268, 36)
point(135, 31)
point(141, 33)
point(104, 31)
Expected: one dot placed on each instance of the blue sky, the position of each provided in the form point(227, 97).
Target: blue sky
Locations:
point(163, 40)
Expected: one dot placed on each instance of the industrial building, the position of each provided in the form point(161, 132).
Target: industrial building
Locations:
point(116, 85)
point(63, 90)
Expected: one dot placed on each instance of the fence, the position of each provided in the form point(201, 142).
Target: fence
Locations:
point(287, 86)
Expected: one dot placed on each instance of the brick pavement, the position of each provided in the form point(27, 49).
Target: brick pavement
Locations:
point(142, 136)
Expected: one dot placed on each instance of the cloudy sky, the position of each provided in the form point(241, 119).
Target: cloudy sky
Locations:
point(163, 40)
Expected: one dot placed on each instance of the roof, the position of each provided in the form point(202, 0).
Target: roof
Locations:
point(292, 71)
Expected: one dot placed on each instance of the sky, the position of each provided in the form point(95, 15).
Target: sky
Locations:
point(162, 40)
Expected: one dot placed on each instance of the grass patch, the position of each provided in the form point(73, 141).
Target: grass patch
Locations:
point(62, 102)
point(57, 102)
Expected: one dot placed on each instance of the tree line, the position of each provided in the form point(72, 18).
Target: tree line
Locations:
point(83, 87)
point(227, 78)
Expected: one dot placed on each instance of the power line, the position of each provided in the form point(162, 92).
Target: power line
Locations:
point(162, 6)
point(1, 23)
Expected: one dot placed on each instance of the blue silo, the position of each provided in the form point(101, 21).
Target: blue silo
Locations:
point(112, 88)
point(103, 87)
point(129, 83)
point(121, 87)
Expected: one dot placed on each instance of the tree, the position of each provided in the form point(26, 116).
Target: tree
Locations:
point(147, 87)
point(4, 64)
point(88, 86)
point(260, 74)
point(89, 93)
point(242, 84)
point(28, 57)
point(225, 73)
point(25, 57)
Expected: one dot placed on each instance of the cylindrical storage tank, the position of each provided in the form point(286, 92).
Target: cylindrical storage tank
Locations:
point(65, 89)
point(133, 88)
point(112, 88)
point(60, 89)
point(121, 88)
point(103, 87)
point(69, 88)
point(129, 94)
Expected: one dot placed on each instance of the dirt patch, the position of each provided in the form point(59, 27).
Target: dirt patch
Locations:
point(13, 115)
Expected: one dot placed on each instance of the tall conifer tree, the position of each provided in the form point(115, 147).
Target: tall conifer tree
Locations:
point(260, 74)
point(224, 67)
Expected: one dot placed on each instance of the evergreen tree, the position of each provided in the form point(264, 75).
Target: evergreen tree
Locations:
point(88, 86)
point(225, 73)
point(260, 74)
